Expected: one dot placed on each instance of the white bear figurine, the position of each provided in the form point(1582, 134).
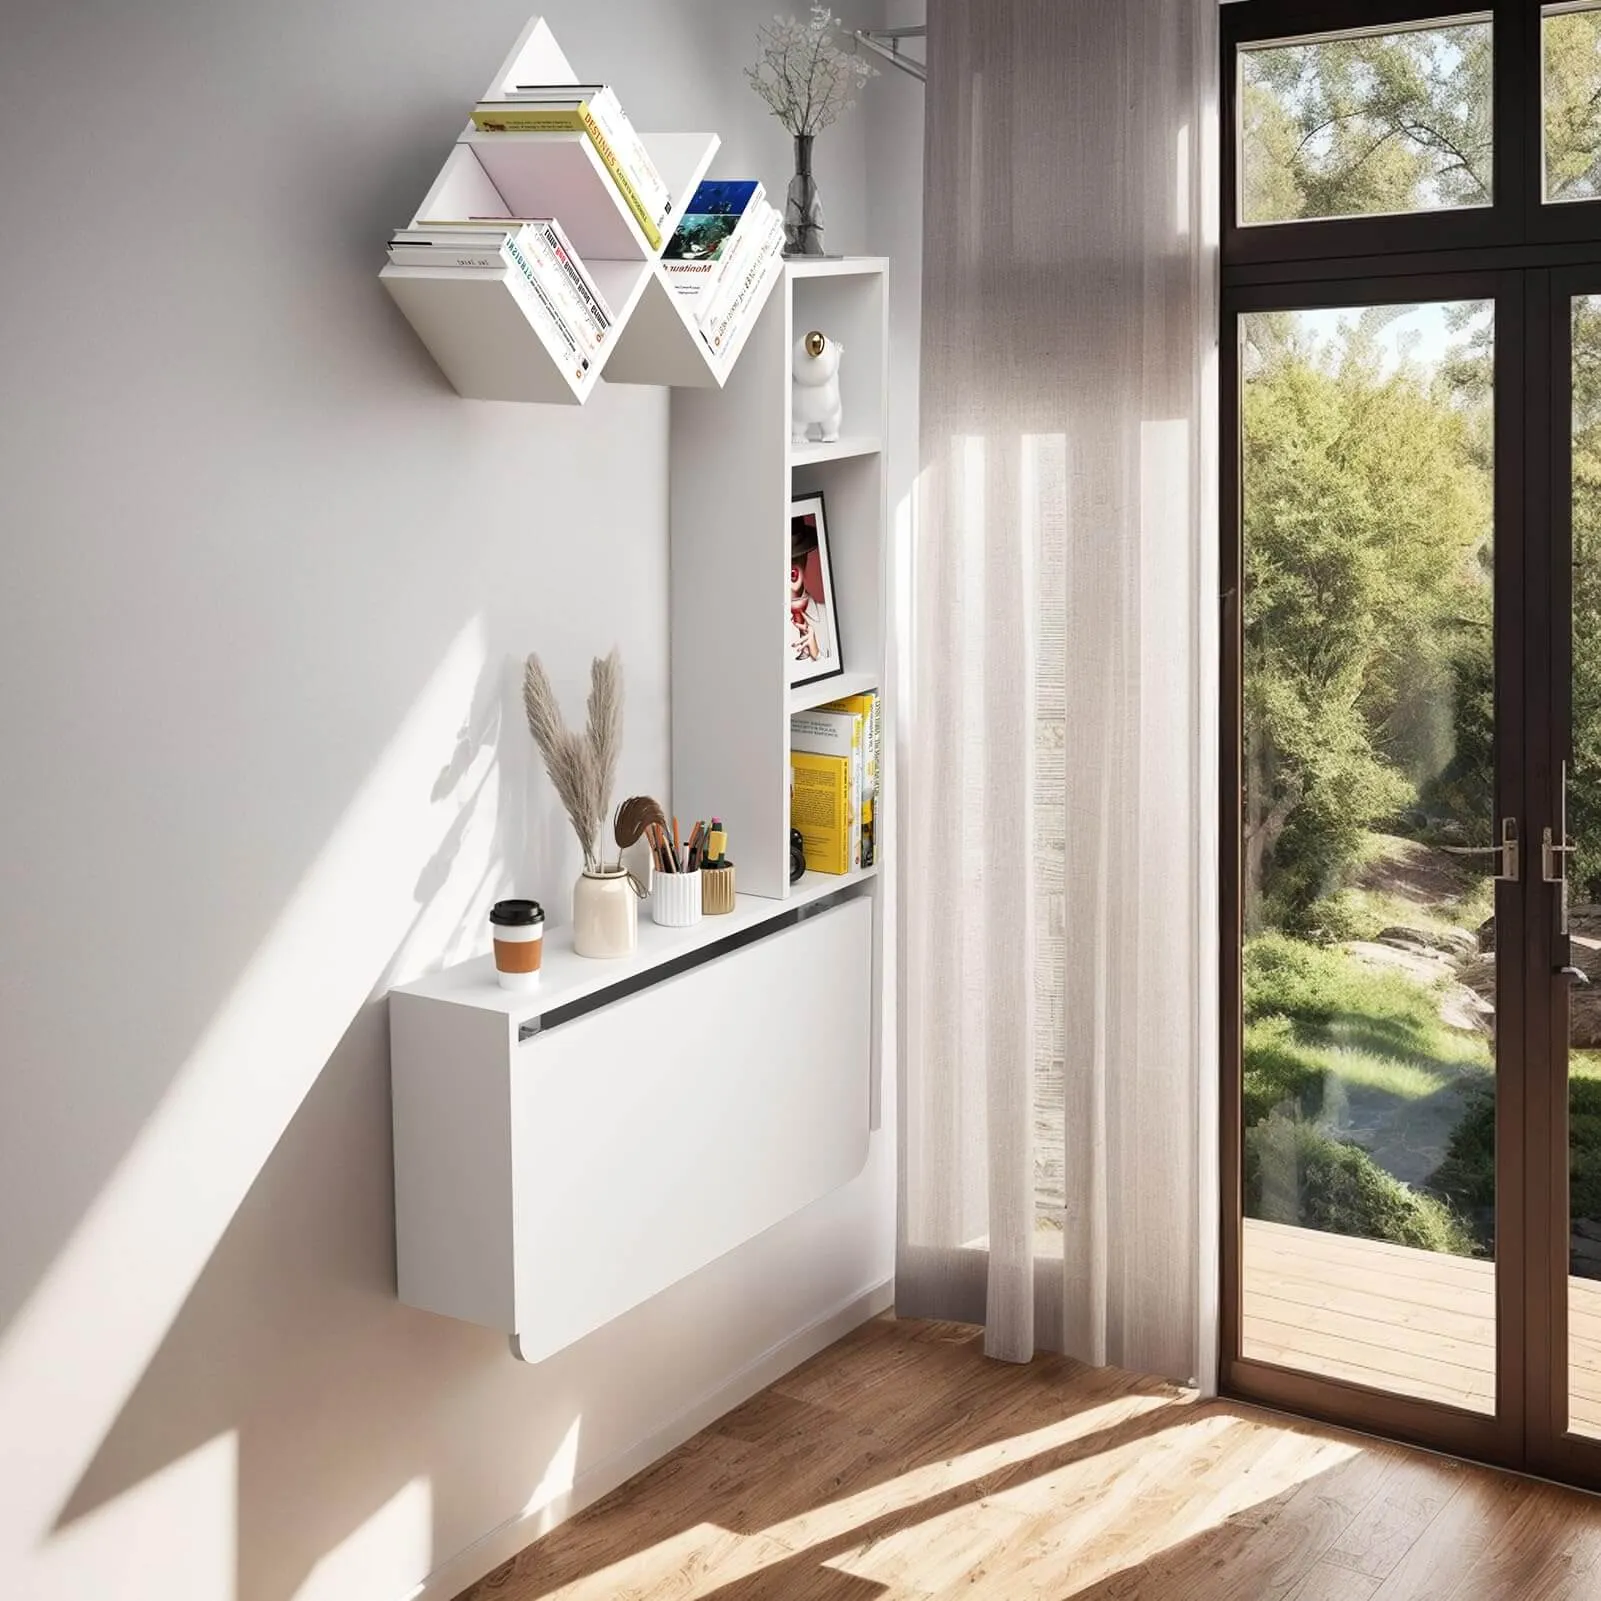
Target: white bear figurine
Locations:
point(815, 397)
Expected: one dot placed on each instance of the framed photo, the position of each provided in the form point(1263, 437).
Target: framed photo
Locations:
point(812, 624)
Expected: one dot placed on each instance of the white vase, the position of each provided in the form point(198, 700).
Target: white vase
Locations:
point(605, 915)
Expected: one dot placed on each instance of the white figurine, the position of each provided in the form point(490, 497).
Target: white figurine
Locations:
point(815, 396)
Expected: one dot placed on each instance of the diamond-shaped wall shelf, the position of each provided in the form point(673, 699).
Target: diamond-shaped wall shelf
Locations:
point(474, 324)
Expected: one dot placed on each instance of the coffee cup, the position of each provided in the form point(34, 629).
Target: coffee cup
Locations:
point(518, 930)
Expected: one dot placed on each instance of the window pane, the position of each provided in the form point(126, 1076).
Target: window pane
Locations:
point(1570, 45)
point(1368, 1052)
point(1366, 124)
point(1582, 890)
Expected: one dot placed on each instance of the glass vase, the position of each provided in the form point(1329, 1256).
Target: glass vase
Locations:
point(803, 210)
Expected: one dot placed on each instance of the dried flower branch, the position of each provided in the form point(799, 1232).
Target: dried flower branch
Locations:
point(805, 77)
point(582, 766)
point(606, 724)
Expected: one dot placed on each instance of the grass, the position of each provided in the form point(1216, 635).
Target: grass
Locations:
point(1297, 1173)
point(1325, 1033)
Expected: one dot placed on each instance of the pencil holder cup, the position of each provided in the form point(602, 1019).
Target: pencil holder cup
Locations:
point(675, 899)
point(717, 890)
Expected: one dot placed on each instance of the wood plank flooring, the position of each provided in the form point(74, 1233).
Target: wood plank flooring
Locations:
point(1412, 1322)
point(900, 1465)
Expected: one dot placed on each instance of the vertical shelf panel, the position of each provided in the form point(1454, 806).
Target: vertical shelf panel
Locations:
point(729, 506)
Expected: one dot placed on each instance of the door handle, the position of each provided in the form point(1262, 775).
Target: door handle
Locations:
point(1510, 869)
point(1574, 975)
point(1555, 849)
point(1552, 868)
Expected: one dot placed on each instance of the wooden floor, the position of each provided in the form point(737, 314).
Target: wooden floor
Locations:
point(901, 1466)
point(1413, 1322)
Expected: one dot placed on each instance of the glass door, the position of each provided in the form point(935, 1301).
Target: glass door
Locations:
point(1379, 852)
point(1566, 950)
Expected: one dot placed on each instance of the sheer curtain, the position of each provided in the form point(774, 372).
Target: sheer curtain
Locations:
point(1059, 812)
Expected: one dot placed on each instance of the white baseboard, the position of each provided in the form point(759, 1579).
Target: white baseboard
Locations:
point(483, 1556)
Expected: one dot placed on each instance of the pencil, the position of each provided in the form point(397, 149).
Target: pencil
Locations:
point(676, 867)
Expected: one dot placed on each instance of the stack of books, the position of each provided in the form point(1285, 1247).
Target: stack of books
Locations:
point(591, 109)
point(834, 761)
point(726, 245)
point(532, 256)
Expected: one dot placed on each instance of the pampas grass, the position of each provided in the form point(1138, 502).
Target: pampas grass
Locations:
point(582, 766)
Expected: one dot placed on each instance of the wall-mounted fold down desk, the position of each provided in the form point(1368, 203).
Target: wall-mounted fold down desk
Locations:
point(562, 1156)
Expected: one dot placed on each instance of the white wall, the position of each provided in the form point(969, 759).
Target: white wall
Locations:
point(266, 583)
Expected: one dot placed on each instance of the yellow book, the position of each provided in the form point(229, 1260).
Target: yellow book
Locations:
point(866, 707)
point(494, 116)
point(819, 806)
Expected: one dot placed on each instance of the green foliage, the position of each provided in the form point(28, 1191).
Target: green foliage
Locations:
point(1355, 126)
point(1282, 1073)
point(1367, 511)
point(1295, 1173)
point(1466, 1177)
point(1330, 999)
point(1584, 787)
point(1571, 49)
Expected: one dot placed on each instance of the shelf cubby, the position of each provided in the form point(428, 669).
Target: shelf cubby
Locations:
point(473, 322)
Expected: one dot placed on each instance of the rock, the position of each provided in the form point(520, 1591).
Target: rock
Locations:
point(1427, 967)
point(1450, 941)
point(1584, 1016)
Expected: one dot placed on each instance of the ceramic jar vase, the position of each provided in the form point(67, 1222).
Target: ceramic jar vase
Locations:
point(605, 914)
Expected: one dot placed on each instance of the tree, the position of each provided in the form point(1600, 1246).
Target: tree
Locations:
point(1571, 49)
point(1366, 517)
point(1376, 123)
point(1584, 781)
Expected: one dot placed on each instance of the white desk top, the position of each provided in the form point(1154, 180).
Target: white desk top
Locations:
point(566, 977)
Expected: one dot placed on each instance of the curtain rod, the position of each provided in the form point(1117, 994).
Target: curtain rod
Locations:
point(886, 42)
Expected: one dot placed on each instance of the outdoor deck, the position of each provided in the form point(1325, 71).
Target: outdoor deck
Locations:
point(1412, 1322)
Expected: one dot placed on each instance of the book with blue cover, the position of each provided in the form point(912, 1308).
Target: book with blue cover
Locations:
point(711, 219)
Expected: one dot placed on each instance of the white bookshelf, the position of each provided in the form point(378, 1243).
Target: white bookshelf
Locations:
point(734, 473)
point(528, 1125)
point(473, 322)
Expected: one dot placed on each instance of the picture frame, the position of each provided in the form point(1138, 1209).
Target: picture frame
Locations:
point(811, 623)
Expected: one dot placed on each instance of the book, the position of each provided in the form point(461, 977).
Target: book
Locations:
point(867, 704)
point(830, 733)
point(741, 251)
point(577, 287)
point(818, 808)
point(726, 315)
point(714, 214)
point(554, 91)
point(606, 125)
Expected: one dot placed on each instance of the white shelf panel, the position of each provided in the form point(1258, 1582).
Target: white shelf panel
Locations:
point(808, 696)
point(836, 266)
point(476, 329)
point(842, 448)
point(566, 977)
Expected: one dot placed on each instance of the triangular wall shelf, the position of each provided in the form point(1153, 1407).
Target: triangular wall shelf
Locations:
point(472, 322)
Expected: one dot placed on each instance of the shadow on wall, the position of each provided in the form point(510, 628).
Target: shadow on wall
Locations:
point(298, 1295)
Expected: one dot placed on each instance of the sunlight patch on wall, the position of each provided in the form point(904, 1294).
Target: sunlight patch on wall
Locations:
point(75, 1352)
point(553, 1493)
